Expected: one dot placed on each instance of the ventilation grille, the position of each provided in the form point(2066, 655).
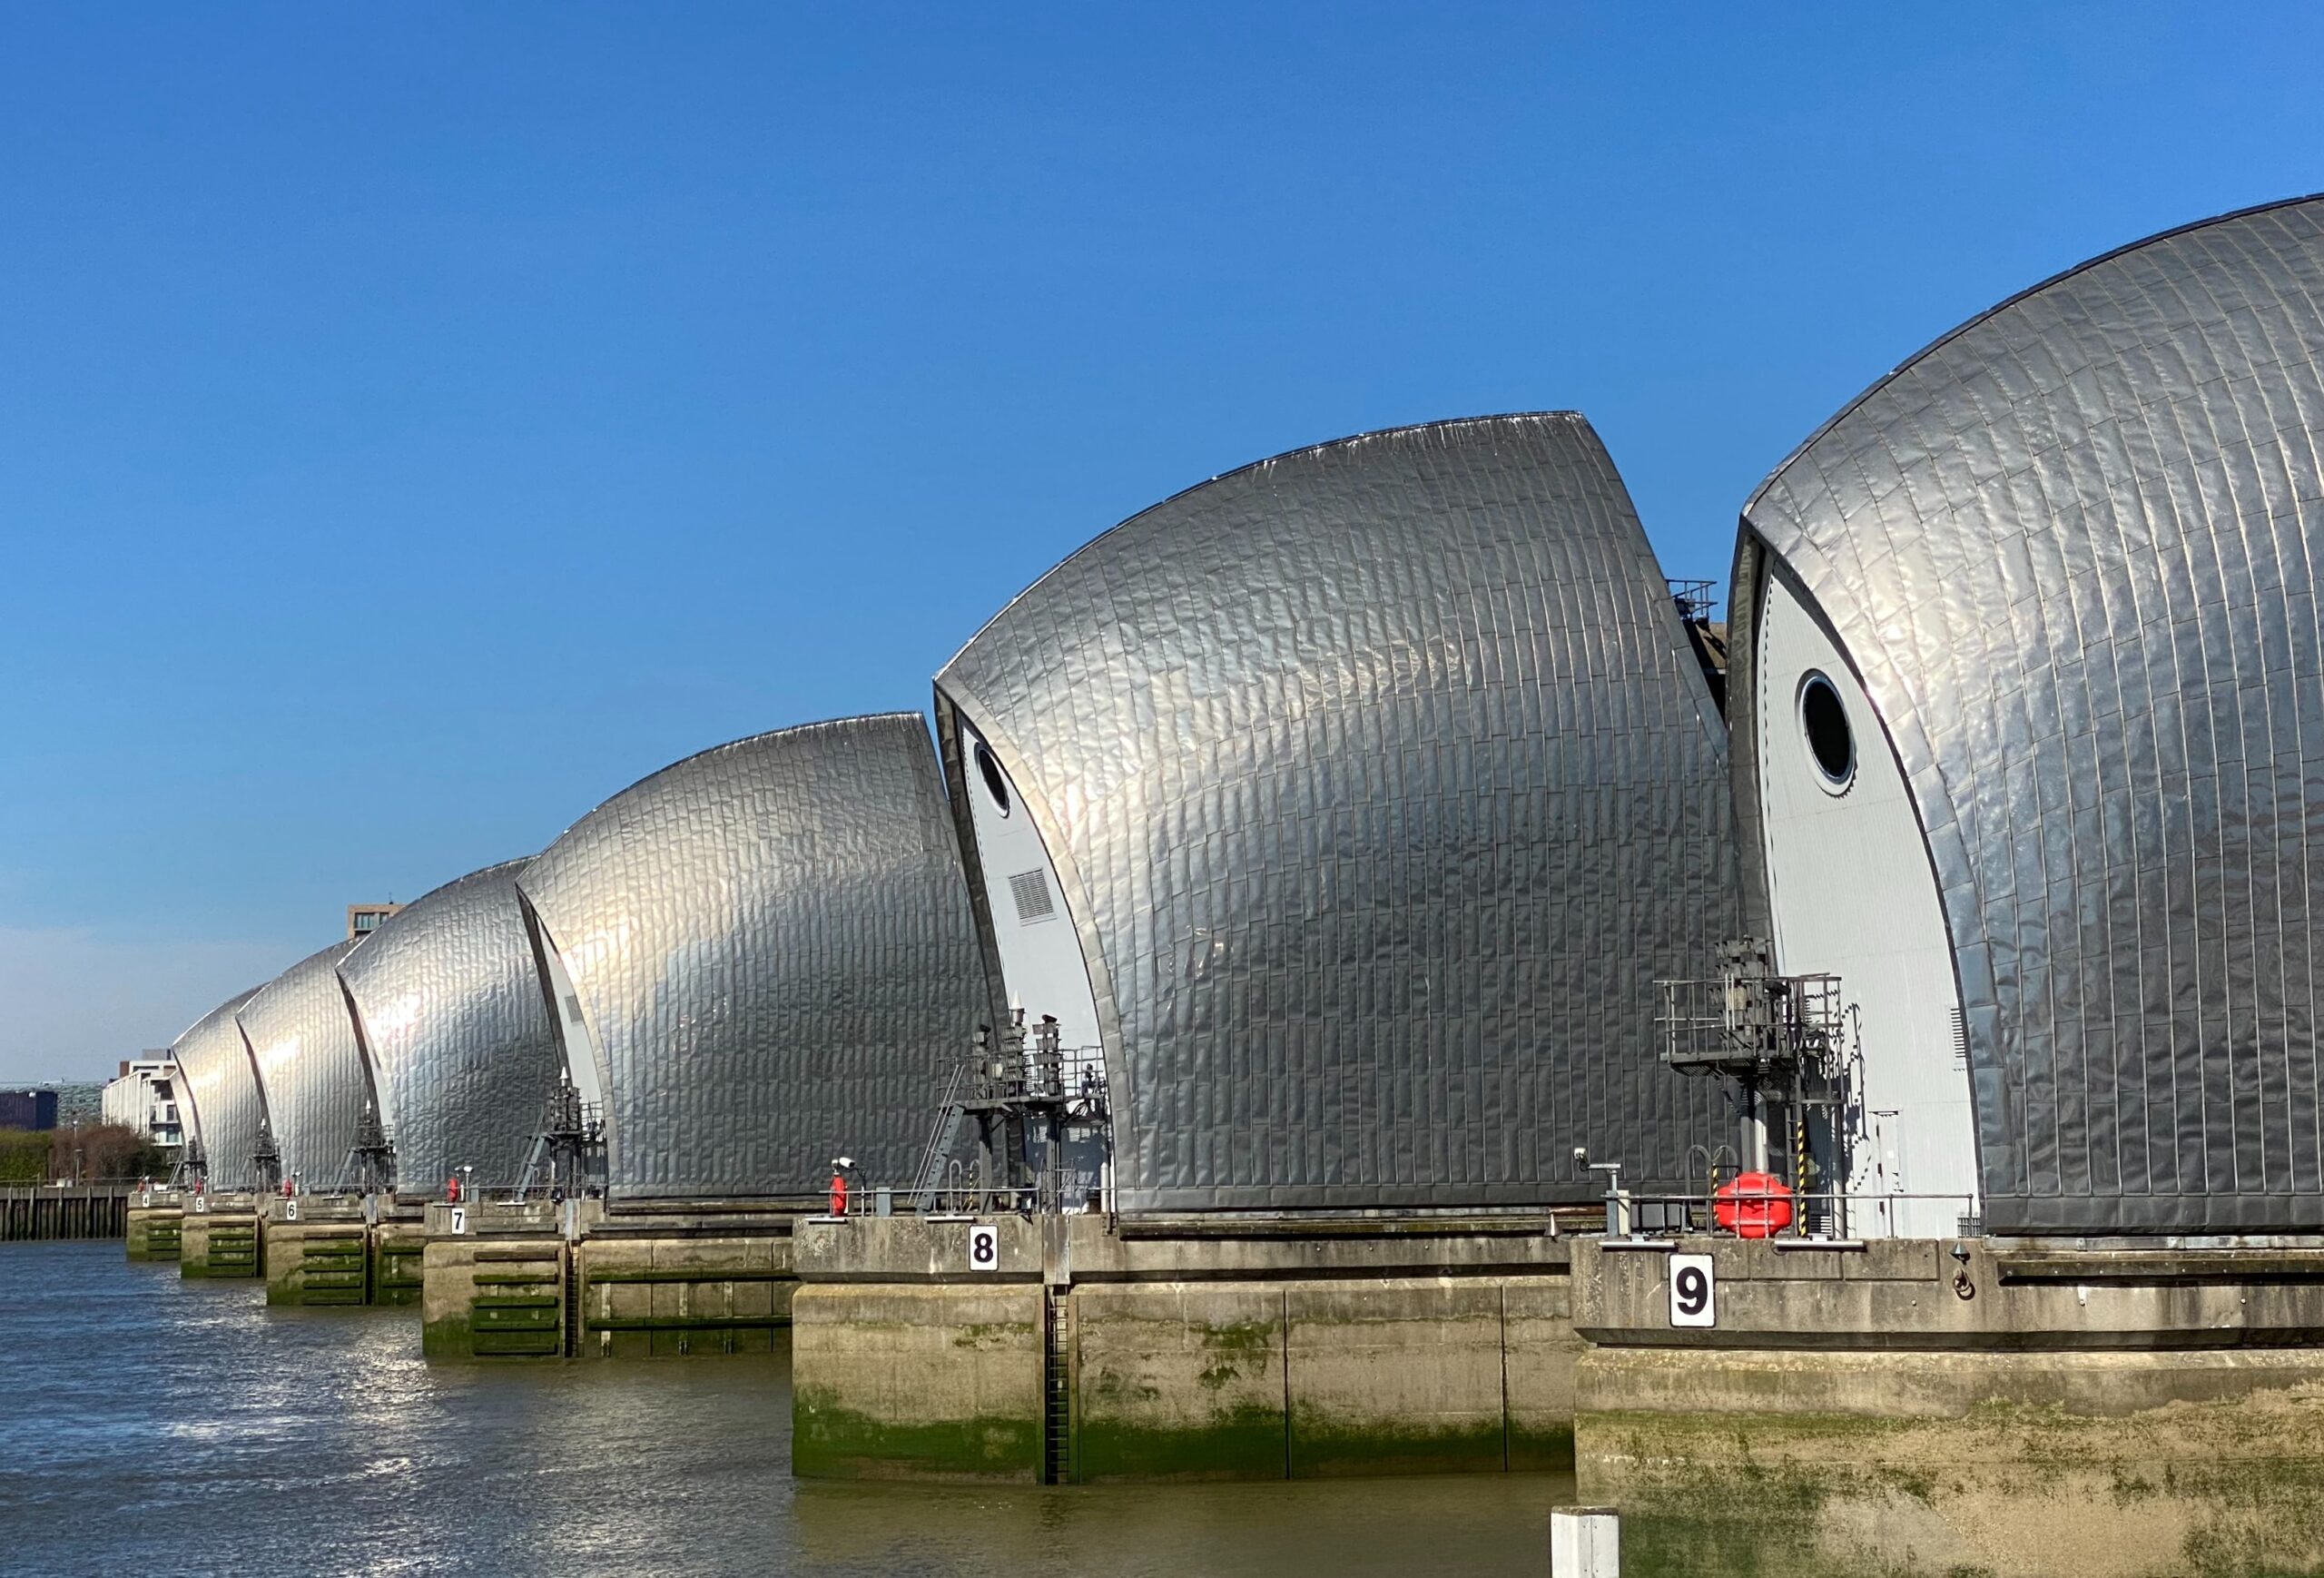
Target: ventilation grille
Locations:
point(1960, 1039)
point(1032, 892)
point(573, 1006)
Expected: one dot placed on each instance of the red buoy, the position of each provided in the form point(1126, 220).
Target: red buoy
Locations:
point(1753, 1205)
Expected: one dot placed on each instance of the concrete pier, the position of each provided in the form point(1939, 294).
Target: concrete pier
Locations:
point(218, 1236)
point(152, 1227)
point(2023, 1402)
point(1186, 1349)
point(573, 1280)
point(324, 1250)
point(398, 1244)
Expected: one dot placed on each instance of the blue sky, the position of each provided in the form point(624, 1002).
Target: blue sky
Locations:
point(418, 423)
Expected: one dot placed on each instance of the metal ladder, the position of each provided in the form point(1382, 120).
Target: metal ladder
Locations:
point(572, 1301)
point(1056, 1442)
point(939, 1141)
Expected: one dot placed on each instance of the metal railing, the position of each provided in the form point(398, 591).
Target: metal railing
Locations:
point(1822, 1215)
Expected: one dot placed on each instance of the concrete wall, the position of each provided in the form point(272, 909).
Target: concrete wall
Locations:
point(153, 1231)
point(317, 1251)
point(674, 1293)
point(917, 1382)
point(663, 1285)
point(496, 1288)
point(1189, 1352)
point(218, 1236)
point(2129, 1410)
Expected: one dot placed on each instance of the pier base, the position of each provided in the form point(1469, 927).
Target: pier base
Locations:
point(573, 1280)
point(324, 1250)
point(154, 1228)
point(218, 1236)
point(398, 1249)
point(679, 1285)
point(2022, 1407)
point(1176, 1351)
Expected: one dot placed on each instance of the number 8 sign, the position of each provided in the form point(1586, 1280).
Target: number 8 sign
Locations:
point(984, 1248)
point(1692, 1292)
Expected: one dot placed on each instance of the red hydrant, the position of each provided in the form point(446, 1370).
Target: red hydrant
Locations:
point(839, 1193)
point(452, 1188)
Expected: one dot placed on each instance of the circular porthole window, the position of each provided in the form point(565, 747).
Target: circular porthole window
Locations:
point(1824, 721)
point(994, 784)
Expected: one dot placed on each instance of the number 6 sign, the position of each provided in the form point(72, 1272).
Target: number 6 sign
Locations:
point(1692, 1292)
point(984, 1248)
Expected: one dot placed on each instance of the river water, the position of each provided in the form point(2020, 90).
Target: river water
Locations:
point(151, 1425)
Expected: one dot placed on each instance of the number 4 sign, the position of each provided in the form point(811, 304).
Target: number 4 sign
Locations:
point(984, 1248)
point(1692, 1292)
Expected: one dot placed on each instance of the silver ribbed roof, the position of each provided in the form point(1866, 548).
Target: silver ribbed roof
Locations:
point(221, 1094)
point(302, 1042)
point(450, 1015)
point(772, 949)
point(2071, 551)
point(1383, 786)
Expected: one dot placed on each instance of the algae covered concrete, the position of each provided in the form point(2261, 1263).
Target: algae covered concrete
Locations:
point(493, 1281)
point(399, 1258)
point(917, 1382)
point(1959, 1406)
point(154, 1225)
point(663, 1292)
point(317, 1251)
point(220, 1236)
point(1179, 1381)
point(1196, 1351)
point(2233, 1486)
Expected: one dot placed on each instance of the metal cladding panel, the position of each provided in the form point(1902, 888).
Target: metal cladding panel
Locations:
point(2071, 551)
point(771, 946)
point(302, 1042)
point(449, 1013)
point(215, 1080)
point(1384, 786)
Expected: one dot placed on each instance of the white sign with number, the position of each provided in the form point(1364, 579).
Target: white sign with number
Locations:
point(984, 1248)
point(289, 1210)
point(459, 1219)
point(1693, 1293)
point(201, 1202)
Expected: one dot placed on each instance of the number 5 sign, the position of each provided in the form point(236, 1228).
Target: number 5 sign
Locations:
point(1692, 1292)
point(984, 1248)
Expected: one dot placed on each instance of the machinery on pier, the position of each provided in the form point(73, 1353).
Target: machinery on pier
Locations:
point(1043, 1130)
point(1782, 1041)
point(371, 1167)
point(567, 1158)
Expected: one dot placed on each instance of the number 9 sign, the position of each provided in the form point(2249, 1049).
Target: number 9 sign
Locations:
point(984, 1248)
point(1692, 1291)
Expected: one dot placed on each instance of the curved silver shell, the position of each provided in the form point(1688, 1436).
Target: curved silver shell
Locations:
point(1380, 786)
point(452, 1022)
point(215, 1077)
point(2071, 552)
point(301, 1040)
point(770, 948)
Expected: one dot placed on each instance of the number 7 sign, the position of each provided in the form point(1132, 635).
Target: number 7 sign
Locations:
point(1692, 1291)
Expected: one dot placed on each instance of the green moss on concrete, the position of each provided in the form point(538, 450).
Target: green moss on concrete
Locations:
point(1249, 1442)
point(1818, 1496)
point(1540, 1451)
point(829, 1442)
point(1322, 1449)
point(447, 1338)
